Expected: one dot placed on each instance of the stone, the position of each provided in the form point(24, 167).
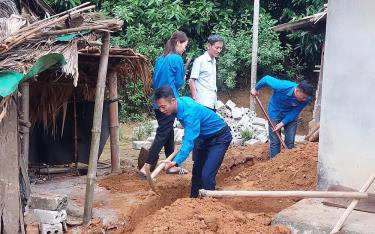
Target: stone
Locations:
point(49, 216)
point(137, 145)
point(48, 202)
point(236, 113)
point(262, 137)
point(252, 142)
point(51, 228)
point(230, 104)
point(259, 121)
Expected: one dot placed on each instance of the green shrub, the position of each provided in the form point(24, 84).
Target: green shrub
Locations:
point(247, 134)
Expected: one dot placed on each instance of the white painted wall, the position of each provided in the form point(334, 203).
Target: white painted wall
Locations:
point(347, 133)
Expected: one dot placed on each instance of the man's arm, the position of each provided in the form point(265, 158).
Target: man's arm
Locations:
point(193, 89)
point(192, 131)
point(271, 82)
point(293, 114)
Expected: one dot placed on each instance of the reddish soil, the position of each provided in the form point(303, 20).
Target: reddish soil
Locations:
point(244, 168)
point(206, 216)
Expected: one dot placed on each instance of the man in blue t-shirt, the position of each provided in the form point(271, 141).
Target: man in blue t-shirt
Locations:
point(286, 103)
point(204, 129)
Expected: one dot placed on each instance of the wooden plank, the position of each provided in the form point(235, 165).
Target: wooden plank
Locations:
point(365, 205)
point(9, 173)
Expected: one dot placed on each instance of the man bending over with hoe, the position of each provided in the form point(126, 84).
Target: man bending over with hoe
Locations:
point(286, 103)
point(204, 129)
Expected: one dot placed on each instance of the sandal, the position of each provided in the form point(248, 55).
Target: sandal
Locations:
point(179, 171)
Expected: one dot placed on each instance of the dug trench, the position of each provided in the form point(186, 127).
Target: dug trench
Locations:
point(244, 168)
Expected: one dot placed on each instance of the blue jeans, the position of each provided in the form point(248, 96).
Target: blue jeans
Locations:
point(290, 132)
point(208, 155)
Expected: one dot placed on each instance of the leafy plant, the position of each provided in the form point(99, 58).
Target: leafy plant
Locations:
point(247, 134)
point(143, 131)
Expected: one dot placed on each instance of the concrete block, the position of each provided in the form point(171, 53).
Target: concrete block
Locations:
point(310, 216)
point(49, 216)
point(228, 113)
point(48, 202)
point(245, 111)
point(236, 113)
point(51, 228)
point(178, 135)
point(259, 121)
point(237, 141)
point(219, 105)
point(150, 139)
point(259, 129)
point(252, 142)
point(231, 105)
point(299, 139)
point(177, 124)
point(262, 137)
point(137, 145)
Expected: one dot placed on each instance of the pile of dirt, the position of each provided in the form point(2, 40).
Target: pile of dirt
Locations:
point(206, 216)
point(293, 169)
point(128, 181)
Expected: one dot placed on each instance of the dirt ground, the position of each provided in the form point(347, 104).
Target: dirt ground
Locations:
point(244, 168)
point(138, 210)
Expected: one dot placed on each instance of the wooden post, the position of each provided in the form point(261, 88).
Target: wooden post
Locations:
point(254, 53)
point(96, 128)
point(25, 91)
point(304, 194)
point(10, 214)
point(114, 122)
point(318, 93)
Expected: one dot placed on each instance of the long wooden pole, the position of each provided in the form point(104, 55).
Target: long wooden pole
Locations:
point(304, 194)
point(352, 205)
point(271, 123)
point(113, 122)
point(25, 90)
point(96, 129)
point(254, 53)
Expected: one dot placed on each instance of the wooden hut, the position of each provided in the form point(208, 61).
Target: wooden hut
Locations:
point(55, 62)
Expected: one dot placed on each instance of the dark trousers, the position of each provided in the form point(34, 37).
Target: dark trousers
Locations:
point(208, 155)
point(290, 133)
point(164, 137)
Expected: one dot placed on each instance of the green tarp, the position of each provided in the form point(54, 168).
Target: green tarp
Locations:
point(9, 80)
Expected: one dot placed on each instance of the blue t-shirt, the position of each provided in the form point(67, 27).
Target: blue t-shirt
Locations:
point(169, 70)
point(283, 104)
point(197, 121)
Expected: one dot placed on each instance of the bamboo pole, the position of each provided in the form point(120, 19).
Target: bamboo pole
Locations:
point(75, 134)
point(25, 90)
point(352, 205)
point(254, 53)
point(96, 129)
point(113, 122)
point(303, 194)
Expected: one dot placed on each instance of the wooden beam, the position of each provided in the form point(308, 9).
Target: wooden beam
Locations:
point(96, 129)
point(304, 194)
point(114, 122)
point(10, 206)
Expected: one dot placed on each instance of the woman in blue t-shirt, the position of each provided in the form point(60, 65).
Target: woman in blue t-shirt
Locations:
point(169, 70)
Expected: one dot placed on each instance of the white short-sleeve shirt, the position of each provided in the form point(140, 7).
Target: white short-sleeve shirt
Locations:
point(204, 74)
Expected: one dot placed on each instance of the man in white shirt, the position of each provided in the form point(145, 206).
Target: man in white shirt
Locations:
point(202, 80)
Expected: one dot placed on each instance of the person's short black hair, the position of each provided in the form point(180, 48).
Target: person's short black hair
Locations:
point(214, 38)
point(306, 88)
point(163, 92)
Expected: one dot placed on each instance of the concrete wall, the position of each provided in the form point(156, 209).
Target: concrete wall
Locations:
point(347, 136)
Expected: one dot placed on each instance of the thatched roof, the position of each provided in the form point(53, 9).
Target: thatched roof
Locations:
point(315, 22)
point(81, 28)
